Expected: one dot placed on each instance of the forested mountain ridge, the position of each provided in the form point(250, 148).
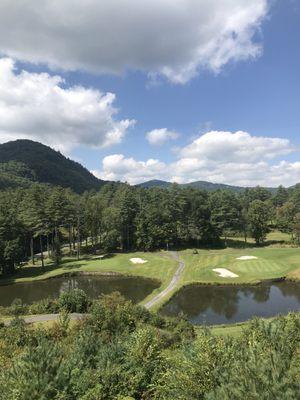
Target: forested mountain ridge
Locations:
point(205, 185)
point(14, 174)
point(26, 161)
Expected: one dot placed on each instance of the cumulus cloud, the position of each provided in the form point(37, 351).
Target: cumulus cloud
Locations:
point(117, 167)
point(37, 106)
point(222, 157)
point(157, 137)
point(172, 38)
point(238, 146)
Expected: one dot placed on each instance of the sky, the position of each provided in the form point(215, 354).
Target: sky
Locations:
point(178, 90)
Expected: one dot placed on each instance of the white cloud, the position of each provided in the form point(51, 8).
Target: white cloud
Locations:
point(39, 107)
point(117, 167)
point(157, 137)
point(172, 38)
point(220, 157)
point(238, 147)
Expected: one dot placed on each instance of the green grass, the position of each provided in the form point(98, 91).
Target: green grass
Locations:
point(233, 330)
point(271, 263)
point(159, 266)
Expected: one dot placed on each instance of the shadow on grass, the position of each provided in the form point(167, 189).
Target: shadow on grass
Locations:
point(67, 263)
point(240, 244)
point(27, 272)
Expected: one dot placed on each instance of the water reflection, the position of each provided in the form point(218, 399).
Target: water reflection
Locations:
point(133, 288)
point(229, 304)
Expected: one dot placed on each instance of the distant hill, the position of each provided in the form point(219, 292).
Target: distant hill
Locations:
point(24, 161)
point(154, 183)
point(197, 185)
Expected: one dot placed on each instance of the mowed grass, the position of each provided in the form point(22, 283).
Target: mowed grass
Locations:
point(271, 263)
point(233, 330)
point(159, 266)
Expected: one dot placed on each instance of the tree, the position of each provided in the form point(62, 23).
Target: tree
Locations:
point(286, 217)
point(259, 216)
point(226, 212)
point(281, 196)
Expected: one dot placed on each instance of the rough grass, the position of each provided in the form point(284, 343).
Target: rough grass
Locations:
point(233, 330)
point(294, 275)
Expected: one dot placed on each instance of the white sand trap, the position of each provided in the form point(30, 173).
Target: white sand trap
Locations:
point(138, 260)
point(225, 273)
point(247, 258)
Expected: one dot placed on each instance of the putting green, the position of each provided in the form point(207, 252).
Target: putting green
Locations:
point(271, 263)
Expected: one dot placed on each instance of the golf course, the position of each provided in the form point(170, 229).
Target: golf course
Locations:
point(173, 271)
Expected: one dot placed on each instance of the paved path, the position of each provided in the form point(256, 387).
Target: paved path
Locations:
point(45, 318)
point(171, 285)
point(148, 305)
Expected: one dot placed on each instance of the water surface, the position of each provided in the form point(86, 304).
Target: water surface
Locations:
point(133, 288)
point(213, 305)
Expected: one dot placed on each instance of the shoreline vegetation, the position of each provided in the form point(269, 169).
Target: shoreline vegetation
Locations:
point(251, 236)
point(199, 264)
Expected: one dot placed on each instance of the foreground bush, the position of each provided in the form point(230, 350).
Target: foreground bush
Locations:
point(74, 301)
point(123, 352)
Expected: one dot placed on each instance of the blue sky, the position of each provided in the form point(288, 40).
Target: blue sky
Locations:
point(231, 118)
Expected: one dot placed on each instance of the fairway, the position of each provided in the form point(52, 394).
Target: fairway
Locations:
point(271, 263)
point(159, 266)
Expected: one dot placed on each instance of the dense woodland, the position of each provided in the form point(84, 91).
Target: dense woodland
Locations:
point(120, 217)
point(121, 351)
point(124, 352)
point(23, 162)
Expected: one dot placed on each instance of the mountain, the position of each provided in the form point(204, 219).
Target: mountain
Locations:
point(197, 185)
point(213, 186)
point(24, 161)
point(154, 183)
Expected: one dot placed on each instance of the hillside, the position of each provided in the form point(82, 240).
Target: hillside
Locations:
point(197, 185)
point(24, 161)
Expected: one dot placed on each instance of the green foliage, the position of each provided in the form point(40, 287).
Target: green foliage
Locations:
point(268, 365)
point(15, 174)
point(44, 306)
point(25, 161)
point(40, 219)
point(259, 215)
point(74, 300)
point(109, 357)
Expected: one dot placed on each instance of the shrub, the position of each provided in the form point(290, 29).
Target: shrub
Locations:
point(44, 306)
point(17, 307)
point(74, 300)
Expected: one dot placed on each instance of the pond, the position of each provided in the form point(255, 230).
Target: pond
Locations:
point(133, 288)
point(214, 305)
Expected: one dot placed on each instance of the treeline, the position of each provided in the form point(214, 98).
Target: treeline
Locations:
point(121, 351)
point(121, 217)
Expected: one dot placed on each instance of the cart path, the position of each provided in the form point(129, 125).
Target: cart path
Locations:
point(44, 318)
point(76, 316)
point(171, 285)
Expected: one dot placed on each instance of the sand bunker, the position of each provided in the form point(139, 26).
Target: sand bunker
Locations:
point(225, 273)
point(138, 260)
point(247, 258)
